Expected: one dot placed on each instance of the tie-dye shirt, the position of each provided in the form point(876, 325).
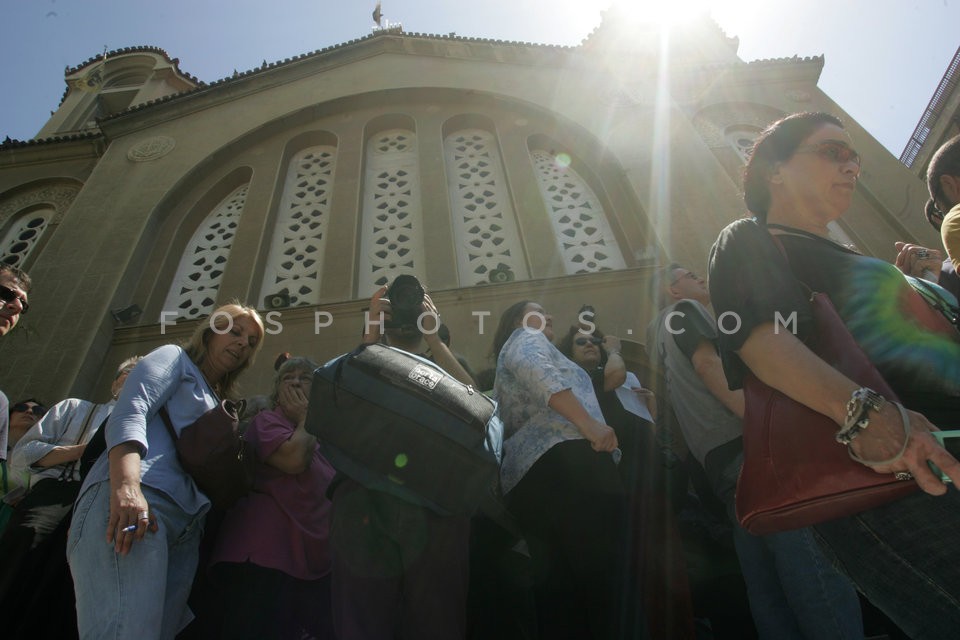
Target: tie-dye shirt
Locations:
point(751, 281)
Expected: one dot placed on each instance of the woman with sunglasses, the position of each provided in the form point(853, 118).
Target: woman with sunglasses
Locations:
point(23, 415)
point(559, 478)
point(17, 421)
point(801, 176)
point(651, 531)
point(35, 585)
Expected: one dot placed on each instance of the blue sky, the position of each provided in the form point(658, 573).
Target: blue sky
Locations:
point(884, 58)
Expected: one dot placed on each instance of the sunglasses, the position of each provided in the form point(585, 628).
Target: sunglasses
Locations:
point(838, 152)
point(36, 409)
point(8, 295)
point(582, 341)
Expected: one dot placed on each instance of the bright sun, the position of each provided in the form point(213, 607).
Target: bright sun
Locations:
point(673, 12)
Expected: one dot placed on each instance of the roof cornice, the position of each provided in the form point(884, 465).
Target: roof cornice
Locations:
point(388, 41)
point(57, 148)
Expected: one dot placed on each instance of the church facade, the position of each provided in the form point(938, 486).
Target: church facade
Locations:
point(493, 171)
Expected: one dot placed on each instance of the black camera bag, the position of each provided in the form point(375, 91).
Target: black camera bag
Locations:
point(397, 422)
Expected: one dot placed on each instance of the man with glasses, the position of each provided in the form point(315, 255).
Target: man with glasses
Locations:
point(943, 183)
point(789, 581)
point(14, 285)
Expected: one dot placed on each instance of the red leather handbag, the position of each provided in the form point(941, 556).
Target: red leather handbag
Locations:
point(794, 473)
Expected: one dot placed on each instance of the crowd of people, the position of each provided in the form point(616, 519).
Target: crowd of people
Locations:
point(614, 515)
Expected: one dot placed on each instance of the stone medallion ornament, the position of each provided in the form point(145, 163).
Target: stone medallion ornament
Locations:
point(151, 149)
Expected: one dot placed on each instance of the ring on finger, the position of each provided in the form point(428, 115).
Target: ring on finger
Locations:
point(143, 515)
point(903, 475)
point(923, 254)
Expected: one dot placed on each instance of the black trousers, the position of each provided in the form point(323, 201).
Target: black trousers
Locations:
point(572, 510)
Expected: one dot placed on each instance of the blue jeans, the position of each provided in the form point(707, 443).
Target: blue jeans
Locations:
point(794, 590)
point(140, 595)
point(905, 558)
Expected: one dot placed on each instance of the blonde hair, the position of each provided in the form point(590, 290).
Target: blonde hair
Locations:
point(222, 317)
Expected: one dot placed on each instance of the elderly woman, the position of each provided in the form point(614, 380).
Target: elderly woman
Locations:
point(801, 176)
point(273, 556)
point(559, 478)
point(138, 499)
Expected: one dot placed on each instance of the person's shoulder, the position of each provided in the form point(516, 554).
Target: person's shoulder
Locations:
point(740, 229)
point(70, 404)
point(269, 418)
point(952, 218)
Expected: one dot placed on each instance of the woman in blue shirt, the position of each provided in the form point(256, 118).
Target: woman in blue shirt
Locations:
point(139, 500)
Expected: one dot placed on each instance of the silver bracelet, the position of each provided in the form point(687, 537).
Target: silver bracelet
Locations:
point(906, 439)
point(861, 402)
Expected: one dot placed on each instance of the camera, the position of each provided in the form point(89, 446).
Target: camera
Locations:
point(406, 302)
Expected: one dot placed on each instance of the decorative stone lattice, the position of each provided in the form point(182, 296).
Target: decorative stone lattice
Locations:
point(299, 240)
point(580, 226)
point(484, 224)
point(392, 235)
point(58, 196)
point(194, 289)
point(23, 235)
point(151, 149)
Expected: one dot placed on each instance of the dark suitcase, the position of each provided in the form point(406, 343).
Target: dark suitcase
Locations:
point(394, 421)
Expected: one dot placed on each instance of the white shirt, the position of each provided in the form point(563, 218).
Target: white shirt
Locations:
point(60, 427)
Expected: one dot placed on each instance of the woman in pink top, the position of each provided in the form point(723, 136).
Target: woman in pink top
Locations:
point(272, 558)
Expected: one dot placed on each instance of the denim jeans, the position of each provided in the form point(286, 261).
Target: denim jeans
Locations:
point(140, 595)
point(794, 590)
point(905, 558)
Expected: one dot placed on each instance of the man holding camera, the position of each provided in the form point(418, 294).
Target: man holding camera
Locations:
point(400, 569)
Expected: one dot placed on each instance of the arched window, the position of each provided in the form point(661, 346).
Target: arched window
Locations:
point(580, 225)
point(23, 235)
point(299, 237)
point(741, 138)
point(484, 224)
point(391, 239)
point(194, 289)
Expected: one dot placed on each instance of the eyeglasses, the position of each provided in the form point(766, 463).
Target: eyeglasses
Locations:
point(689, 274)
point(582, 341)
point(37, 410)
point(838, 152)
point(8, 295)
point(302, 379)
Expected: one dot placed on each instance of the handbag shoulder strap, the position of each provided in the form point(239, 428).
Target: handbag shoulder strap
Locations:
point(86, 423)
point(166, 420)
point(67, 472)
